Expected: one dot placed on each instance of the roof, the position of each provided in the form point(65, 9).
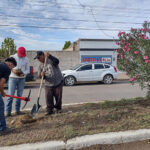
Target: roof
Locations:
point(98, 39)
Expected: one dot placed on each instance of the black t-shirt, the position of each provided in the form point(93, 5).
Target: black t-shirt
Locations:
point(4, 71)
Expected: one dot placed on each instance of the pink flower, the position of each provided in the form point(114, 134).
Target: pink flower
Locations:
point(122, 56)
point(146, 61)
point(124, 49)
point(132, 79)
point(136, 52)
point(128, 49)
point(133, 29)
point(120, 33)
point(116, 50)
point(145, 57)
point(129, 44)
point(117, 43)
point(145, 37)
point(126, 46)
point(130, 57)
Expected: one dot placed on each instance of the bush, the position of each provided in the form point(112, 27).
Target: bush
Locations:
point(134, 55)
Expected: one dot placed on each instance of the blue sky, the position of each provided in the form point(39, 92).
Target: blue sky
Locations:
point(47, 24)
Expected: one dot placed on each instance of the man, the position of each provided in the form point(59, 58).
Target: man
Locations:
point(53, 81)
point(17, 80)
point(5, 70)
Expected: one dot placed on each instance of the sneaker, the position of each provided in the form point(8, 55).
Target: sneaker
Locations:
point(6, 131)
point(49, 113)
point(19, 113)
point(8, 115)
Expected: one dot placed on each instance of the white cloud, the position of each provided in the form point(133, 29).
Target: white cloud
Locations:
point(22, 33)
point(31, 12)
point(32, 44)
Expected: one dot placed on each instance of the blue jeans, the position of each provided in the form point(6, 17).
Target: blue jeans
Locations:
point(2, 117)
point(13, 84)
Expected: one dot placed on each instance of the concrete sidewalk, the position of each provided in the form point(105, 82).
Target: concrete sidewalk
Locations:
point(86, 141)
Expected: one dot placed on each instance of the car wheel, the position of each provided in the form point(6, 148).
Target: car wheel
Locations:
point(70, 80)
point(108, 79)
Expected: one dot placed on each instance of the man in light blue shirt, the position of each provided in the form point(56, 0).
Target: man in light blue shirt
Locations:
point(17, 80)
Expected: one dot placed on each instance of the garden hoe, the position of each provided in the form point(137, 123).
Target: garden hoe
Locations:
point(26, 99)
point(36, 107)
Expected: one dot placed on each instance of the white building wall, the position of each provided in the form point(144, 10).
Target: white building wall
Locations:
point(98, 44)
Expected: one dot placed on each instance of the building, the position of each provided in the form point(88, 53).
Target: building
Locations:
point(96, 50)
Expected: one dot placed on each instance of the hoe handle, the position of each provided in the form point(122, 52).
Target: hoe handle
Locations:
point(21, 98)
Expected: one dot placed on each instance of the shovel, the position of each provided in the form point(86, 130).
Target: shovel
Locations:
point(36, 107)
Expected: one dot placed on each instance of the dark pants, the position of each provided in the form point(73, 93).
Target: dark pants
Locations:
point(52, 93)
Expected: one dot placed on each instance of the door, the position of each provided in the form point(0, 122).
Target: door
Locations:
point(85, 73)
point(98, 71)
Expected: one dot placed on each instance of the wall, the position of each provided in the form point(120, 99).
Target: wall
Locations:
point(67, 59)
point(98, 44)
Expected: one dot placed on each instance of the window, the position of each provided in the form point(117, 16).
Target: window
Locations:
point(99, 66)
point(86, 67)
point(107, 66)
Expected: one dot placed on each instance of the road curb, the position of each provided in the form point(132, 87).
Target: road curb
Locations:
point(87, 140)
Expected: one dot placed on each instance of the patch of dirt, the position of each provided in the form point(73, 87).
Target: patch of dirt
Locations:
point(78, 120)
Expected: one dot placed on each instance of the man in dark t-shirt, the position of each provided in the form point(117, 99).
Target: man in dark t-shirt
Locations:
point(5, 70)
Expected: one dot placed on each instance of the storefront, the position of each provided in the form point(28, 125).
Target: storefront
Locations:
point(98, 50)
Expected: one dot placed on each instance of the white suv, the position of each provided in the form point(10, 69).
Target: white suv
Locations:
point(85, 72)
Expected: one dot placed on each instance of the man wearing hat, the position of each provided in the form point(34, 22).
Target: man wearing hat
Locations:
point(53, 81)
point(17, 80)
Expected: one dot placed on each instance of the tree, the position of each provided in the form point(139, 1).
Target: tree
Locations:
point(7, 48)
point(66, 45)
point(134, 55)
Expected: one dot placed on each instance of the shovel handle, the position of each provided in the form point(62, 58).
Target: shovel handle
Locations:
point(21, 98)
point(40, 89)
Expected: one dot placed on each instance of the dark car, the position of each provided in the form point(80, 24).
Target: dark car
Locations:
point(30, 75)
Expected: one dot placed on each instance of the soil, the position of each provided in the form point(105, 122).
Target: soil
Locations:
point(78, 120)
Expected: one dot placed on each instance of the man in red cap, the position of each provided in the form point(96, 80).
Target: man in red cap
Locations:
point(17, 80)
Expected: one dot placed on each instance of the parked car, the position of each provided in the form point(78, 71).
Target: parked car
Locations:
point(30, 75)
point(85, 72)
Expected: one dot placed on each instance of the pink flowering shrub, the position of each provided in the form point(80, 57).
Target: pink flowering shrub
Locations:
point(134, 55)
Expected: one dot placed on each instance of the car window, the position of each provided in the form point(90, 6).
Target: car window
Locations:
point(107, 66)
point(86, 67)
point(99, 66)
point(75, 67)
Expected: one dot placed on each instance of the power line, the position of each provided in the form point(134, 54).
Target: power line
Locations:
point(71, 28)
point(95, 6)
point(85, 7)
point(80, 20)
point(93, 13)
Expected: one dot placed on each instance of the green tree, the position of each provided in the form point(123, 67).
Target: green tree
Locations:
point(134, 55)
point(66, 45)
point(7, 48)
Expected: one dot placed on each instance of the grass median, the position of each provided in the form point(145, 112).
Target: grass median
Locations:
point(78, 120)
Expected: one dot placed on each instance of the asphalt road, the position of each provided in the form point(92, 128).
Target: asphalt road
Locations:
point(90, 92)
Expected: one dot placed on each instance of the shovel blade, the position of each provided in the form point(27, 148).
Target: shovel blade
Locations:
point(35, 109)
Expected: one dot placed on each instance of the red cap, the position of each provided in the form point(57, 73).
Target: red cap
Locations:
point(21, 52)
